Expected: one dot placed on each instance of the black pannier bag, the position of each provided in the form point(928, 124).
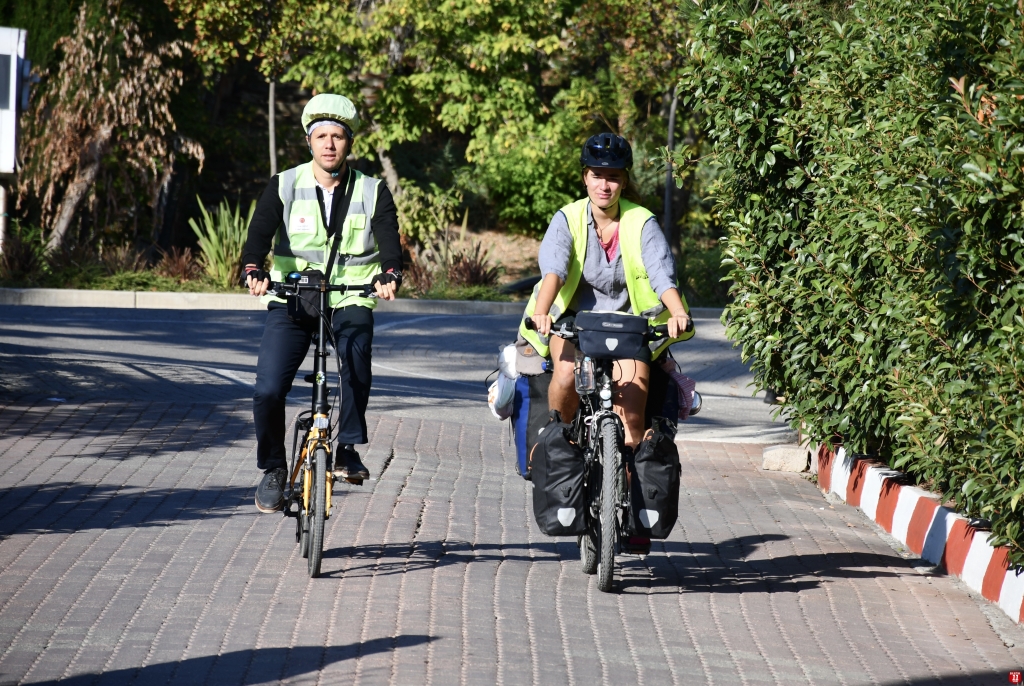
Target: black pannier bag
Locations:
point(654, 482)
point(557, 468)
point(611, 335)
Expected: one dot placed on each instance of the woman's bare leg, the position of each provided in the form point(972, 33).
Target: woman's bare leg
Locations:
point(632, 380)
point(562, 392)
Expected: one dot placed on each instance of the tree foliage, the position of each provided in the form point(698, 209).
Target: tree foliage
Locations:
point(521, 82)
point(872, 193)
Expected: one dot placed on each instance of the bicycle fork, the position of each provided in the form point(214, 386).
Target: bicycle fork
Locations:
point(315, 438)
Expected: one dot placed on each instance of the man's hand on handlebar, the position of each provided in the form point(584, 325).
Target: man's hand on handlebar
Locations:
point(257, 280)
point(542, 324)
point(386, 285)
point(678, 324)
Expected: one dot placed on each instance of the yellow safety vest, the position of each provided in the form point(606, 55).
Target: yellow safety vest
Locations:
point(643, 299)
point(302, 242)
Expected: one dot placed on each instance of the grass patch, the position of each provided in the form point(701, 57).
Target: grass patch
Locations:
point(440, 291)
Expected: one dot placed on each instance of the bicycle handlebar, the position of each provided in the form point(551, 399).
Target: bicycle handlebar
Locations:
point(653, 332)
point(285, 289)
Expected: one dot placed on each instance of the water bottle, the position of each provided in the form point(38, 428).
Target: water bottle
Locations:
point(584, 374)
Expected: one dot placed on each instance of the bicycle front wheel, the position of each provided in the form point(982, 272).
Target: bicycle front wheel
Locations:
point(610, 465)
point(318, 511)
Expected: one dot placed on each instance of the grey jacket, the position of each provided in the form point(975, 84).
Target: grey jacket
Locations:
point(603, 285)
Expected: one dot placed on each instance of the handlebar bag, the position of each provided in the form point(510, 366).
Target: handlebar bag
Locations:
point(611, 335)
point(304, 308)
point(557, 468)
point(654, 482)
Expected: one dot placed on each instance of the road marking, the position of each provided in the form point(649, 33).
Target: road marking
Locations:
point(424, 376)
point(227, 373)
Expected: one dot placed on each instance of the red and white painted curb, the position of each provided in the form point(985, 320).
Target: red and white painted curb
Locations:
point(915, 518)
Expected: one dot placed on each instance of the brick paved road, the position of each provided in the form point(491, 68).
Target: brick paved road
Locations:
point(130, 551)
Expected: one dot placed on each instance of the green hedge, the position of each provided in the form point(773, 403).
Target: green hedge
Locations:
point(875, 227)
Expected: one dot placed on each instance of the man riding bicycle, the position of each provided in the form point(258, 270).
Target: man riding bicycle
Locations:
point(320, 213)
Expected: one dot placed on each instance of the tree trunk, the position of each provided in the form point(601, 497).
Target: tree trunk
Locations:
point(390, 173)
point(271, 116)
point(669, 226)
point(85, 177)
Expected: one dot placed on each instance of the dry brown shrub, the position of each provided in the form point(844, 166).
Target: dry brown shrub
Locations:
point(104, 115)
point(123, 258)
point(472, 267)
point(178, 264)
point(418, 276)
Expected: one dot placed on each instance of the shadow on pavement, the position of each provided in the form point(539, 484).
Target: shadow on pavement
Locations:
point(24, 379)
point(115, 431)
point(674, 567)
point(71, 507)
point(251, 666)
point(727, 567)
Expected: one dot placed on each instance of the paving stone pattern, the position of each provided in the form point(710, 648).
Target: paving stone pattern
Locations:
point(130, 552)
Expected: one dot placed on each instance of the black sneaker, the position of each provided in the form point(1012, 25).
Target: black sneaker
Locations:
point(270, 492)
point(348, 466)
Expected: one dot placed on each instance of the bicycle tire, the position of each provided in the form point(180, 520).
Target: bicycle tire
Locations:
point(300, 529)
point(588, 543)
point(318, 505)
point(304, 535)
point(610, 459)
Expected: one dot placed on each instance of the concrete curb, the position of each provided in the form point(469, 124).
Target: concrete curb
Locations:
point(67, 297)
point(915, 518)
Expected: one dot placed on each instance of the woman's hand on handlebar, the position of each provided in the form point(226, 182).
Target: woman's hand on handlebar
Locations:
point(678, 324)
point(542, 324)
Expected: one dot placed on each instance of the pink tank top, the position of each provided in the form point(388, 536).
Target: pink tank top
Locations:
point(611, 248)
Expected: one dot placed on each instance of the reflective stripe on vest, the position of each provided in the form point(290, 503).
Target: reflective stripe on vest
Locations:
point(302, 242)
point(643, 299)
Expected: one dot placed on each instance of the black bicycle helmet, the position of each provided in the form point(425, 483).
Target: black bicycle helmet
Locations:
point(607, 150)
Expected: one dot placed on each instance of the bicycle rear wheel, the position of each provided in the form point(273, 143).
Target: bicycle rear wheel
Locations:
point(318, 511)
point(589, 544)
point(608, 527)
point(590, 541)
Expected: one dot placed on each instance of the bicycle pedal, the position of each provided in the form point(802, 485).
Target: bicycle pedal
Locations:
point(354, 480)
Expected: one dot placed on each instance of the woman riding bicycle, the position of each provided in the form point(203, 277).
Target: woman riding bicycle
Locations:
point(605, 252)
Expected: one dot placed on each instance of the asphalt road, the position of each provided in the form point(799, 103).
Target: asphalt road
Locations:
point(422, 364)
point(131, 551)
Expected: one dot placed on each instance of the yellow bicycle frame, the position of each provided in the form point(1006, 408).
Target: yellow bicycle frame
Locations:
point(314, 439)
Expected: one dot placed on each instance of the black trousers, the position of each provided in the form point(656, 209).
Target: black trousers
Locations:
point(282, 350)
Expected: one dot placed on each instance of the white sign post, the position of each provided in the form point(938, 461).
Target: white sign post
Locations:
point(14, 82)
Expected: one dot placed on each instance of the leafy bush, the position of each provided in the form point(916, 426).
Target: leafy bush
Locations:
point(701, 274)
point(72, 266)
point(22, 258)
point(426, 215)
point(871, 188)
point(222, 238)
